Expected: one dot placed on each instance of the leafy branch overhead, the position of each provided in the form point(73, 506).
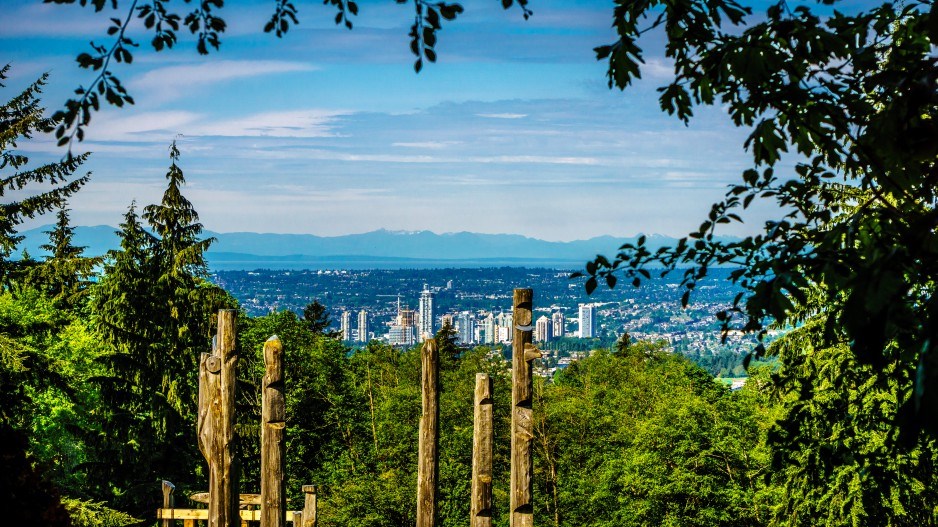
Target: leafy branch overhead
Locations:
point(848, 100)
point(204, 21)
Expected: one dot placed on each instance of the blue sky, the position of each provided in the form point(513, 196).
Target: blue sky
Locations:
point(329, 131)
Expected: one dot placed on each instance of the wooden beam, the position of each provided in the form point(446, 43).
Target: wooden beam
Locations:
point(202, 514)
point(273, 438)
point(480, 509)
point(428, 442)
point(522, 387)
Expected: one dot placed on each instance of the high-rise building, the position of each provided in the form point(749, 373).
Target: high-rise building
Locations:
point(401, 335)
point(503, 327)
point(558, 324)
point(346, 325)
point(465, 327)
point(363, 326)
point(587, 319)
point(427, 328)
point(542, 329)
point(402, 330)
point(487, 330)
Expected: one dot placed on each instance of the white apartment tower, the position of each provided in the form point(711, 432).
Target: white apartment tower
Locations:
point(426, 313)
point(487, 330)
point(587, 321)
point(346, 325)
point(465, 327)
point(542, 329)
point(558, 325)
point(363, 326)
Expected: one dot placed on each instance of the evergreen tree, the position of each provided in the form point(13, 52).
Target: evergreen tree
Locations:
point(20, 118)
point(133, 412)
point(153, 308)
point(447, 342)
point(318, 320)
point(66, 273)
point(180, 263)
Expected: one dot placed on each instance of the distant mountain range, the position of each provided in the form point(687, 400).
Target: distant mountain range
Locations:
point(376, 249)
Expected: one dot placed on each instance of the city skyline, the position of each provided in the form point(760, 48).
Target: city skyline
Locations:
point(512, 129)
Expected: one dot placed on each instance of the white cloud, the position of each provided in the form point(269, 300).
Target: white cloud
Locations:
point(295, 123)
point(164, 126)
point(47, 20)
point(432, 145)
point(503, 115)
point(172, 82)
point(119, 125)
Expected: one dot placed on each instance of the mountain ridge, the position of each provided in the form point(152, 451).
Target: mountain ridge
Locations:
point(379, 246)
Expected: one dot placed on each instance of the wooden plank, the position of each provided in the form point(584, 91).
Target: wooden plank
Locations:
point(428, 439)
point(480, 509)
point(273, 438)
point(249, 500)
point(522, 387)
point(203, 514)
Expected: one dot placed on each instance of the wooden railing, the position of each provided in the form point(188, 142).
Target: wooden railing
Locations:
point(250, 509)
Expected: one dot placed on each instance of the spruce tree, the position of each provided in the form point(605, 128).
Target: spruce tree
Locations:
point(65, 274)
point(21, 118)
point(180, 262)
point(134, 418)
point(154, 309)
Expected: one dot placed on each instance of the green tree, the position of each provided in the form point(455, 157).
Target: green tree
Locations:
point(66, 273)
point(318, 320)
point(647, 439)
point(50, 185)
point(154, 310)
point(852, 96)
point(29, 376)
point(832, 452)
point(447, 342)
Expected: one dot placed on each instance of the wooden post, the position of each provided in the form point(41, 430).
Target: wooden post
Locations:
point(169, 501)
point(224, 473)
point(273, 438)
point(309, 506)
point(209, 385)
point(480, 509)
point(522, 387)
point(427, 458)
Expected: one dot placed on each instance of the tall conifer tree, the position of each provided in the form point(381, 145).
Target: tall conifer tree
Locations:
point(154, 309)
point(66, 272)
point(180, 262)
point(20, 118)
